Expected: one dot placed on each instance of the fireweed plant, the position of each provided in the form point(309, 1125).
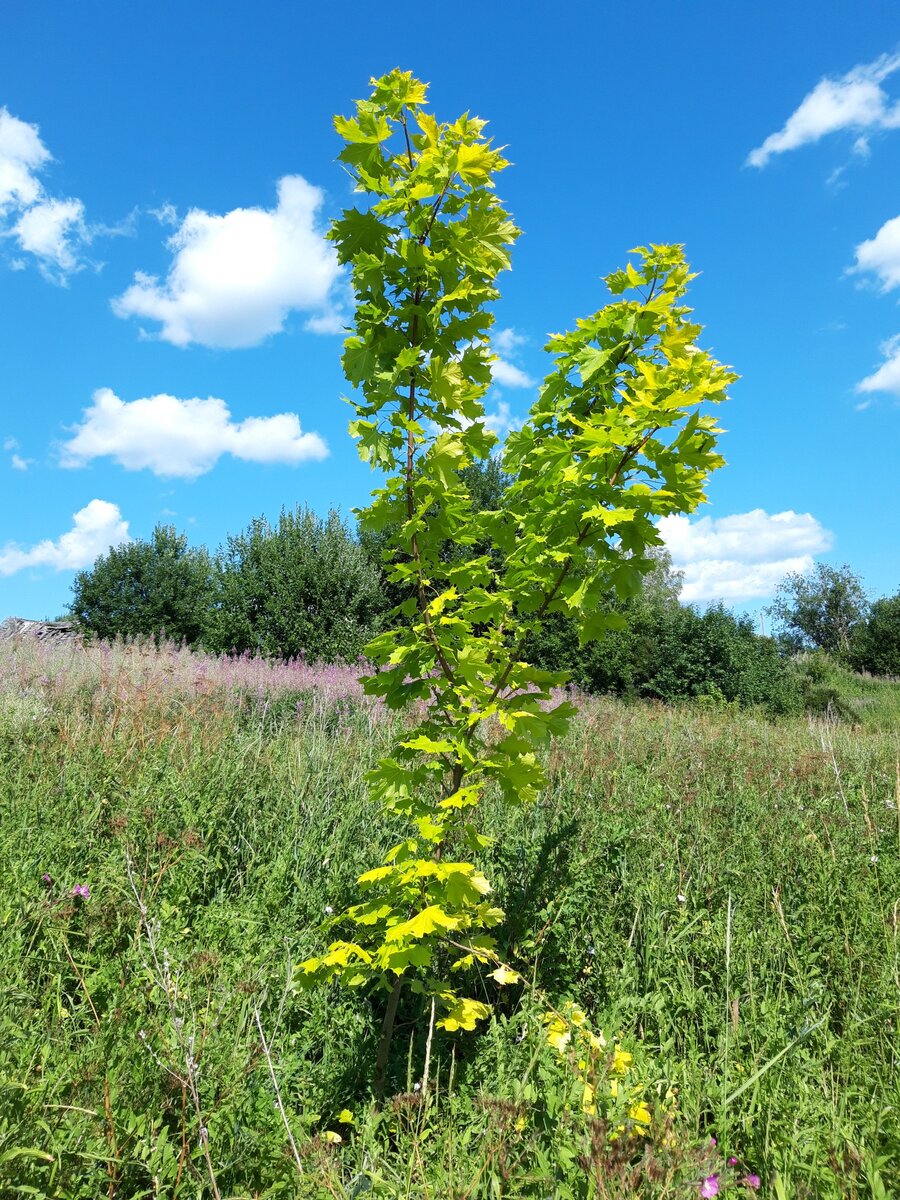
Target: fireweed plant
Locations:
point(615, 440)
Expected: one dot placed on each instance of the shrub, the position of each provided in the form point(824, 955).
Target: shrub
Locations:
point(302, 588)
point(157, 588)
point(875, 646)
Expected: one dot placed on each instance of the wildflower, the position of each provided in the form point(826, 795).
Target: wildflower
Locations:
point(873, 859)
point(709, 1186)
point(47, 880)
point(82, 890)
point(328, 910)
point(621, 1061)
point(558, 1033)
point(640, 1114)
point(732, 1161)
point(577, 1015)
point(681, 898)
point(752, 1181)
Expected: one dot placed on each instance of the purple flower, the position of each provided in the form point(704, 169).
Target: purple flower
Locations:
point(82, 890)
point(47, 880)
point(751, 1181)
point(732, 1162)
point(709, 1186)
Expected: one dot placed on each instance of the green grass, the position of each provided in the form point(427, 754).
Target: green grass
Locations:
point(718, 892)
point(865, 700)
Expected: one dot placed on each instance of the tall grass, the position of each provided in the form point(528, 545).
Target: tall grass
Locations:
point(719, 893)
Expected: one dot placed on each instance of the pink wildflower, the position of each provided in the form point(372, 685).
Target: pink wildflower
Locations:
point(709, 1187)
point(82, 890)
point(752, 1181)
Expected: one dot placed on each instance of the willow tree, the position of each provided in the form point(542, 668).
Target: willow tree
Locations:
point(617, 438)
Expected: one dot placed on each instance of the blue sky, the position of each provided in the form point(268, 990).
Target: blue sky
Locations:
point(168, 344)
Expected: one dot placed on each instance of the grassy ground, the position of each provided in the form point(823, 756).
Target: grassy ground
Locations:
point(719, 894)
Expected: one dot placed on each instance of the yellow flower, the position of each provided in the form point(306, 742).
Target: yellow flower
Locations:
point(640, 1114)
point(577, 1015)
point(587, 1101)
point(330, 1136)
point(558, 1033)
point(622, 1060)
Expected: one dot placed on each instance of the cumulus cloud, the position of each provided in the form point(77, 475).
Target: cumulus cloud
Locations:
point(744, 556)
point(235, 278)
point(52, 230)
point(854, 101)
point(887, 377)
point(183, 438)
point(881, 255)
point(95, 528)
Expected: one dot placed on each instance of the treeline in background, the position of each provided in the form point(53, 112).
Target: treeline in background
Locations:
point(310, 587)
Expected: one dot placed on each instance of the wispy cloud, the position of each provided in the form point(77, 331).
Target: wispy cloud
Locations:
point(505, 373)
point(16, 461)
point(743, 556)
point(184, 438)
point(235, 278)
point(95, 528)
point(855, 101)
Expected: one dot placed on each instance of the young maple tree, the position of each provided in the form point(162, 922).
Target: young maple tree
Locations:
point(615, 440)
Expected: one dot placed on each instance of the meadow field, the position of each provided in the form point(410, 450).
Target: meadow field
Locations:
point(715, 896)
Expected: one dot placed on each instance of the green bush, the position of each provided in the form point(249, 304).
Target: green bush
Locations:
point(161, 588)
point(875, 646)
point(671, 652)
point(302, 588)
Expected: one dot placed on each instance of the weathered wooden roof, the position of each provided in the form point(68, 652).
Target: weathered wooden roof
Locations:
point(57, 631)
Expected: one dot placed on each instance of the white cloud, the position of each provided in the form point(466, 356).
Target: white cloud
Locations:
point(502, 421)
point(854, 101)
point(50, 229)
point(235, 278)
point(96, 527)
point(184, 438)
point(744, 556)
point(508, 375)
point(17, 462)
point(507, 341)
point(887, 377)
point(881, 254)
point(504, 372)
